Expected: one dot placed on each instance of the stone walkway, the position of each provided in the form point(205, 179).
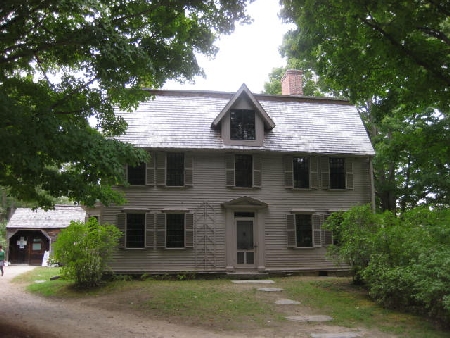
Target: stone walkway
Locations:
point(303, 319)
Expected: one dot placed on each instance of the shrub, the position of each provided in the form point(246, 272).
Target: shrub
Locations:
point(83, 250)
point(404, 261)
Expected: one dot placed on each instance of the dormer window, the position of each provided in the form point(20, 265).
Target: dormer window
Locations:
point(242, 124)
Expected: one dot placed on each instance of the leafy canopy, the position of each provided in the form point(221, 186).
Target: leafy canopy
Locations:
point(68, 62)
point(387, 49)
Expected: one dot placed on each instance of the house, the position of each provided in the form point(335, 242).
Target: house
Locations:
point(31, 232)
point(238, 182)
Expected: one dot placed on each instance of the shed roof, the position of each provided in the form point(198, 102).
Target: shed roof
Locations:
point(25, 218)
point(183, 120)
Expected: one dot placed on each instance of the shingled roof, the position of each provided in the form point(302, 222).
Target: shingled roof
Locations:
point(25, 218)
point(186, 120)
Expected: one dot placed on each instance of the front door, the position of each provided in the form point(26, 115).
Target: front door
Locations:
point(245, 253)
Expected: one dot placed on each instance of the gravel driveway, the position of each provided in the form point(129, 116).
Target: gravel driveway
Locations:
point(25, 315)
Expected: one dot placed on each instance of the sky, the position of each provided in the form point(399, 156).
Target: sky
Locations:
point(246, 56)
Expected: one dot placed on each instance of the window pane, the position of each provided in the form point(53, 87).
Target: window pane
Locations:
point(337, 173)
point(136, 175)
point(175, 169)
point(243, 167)
point(135, 234)
point(175, 230)
point(303, 230)
point(301, 172)
point(242, 124)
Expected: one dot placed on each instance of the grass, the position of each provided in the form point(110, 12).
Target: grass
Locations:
point(220, 304)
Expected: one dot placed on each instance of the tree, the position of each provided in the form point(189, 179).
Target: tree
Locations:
point(386, 49)
point(65, 63)
point(84, 249)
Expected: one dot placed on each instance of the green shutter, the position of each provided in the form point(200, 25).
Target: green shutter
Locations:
point(149, 230)
point(229, 167)
point(189, 230)
point(161, 168)
point(288, 171)
point(188, 169)
point(317, 221)
point(325, 172)
point(257, 171)
point(121, 225)
point(314, 172)
point(150, 166)
point(290, 231)
point(161, 230)
point(348, 173)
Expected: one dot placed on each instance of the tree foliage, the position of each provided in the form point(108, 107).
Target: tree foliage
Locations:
point(388, 49)
point(84, 249)
point(66, 62)
point(404, 261)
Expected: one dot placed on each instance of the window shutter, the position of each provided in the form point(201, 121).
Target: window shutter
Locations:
point(189, 230)
point(314, 172)
point(348, 173)
point(257, 167)
point(290, 231)
point(121, 225)
point(288, 171)
point(150, 179)
point(161, 168)
point(149, 230)
point(317, 221)
point(229, 167)
point(188, 169)
point(161, 230)
point(325, 172)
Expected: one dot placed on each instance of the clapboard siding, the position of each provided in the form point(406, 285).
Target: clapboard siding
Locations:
point(209, 185)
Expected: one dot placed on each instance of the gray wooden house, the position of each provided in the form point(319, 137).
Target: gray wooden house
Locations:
point(238, 182)
point(31, 232)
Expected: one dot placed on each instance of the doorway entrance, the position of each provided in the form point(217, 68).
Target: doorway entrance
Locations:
point(245, 242)
point(28, 247)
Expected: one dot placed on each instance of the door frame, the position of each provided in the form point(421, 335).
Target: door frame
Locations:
point(259, 209)
point(254, 248)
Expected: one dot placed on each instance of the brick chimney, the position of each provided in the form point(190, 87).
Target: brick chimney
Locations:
point(291, 82)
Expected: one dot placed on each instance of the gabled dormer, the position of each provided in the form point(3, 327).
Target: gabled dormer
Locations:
point(243, 120)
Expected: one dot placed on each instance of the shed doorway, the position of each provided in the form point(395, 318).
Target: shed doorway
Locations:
point(28, 247)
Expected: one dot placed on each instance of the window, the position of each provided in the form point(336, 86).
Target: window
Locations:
point(175, 231)
point(243, 171)
point(135, 231)
point(301, 172)
point(303, 230)
point(175, 169)
point(337, 173)
point(136, 174)
point(242, 124)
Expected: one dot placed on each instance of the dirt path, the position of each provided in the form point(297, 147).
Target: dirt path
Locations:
point(25, 315)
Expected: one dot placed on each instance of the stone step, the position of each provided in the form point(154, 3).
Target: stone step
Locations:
point(336, 335)
point(286, 302)
point(253, 281)
point(270, 289)
point(304, 319)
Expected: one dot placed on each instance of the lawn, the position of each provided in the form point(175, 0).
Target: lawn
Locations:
point(219, 304)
